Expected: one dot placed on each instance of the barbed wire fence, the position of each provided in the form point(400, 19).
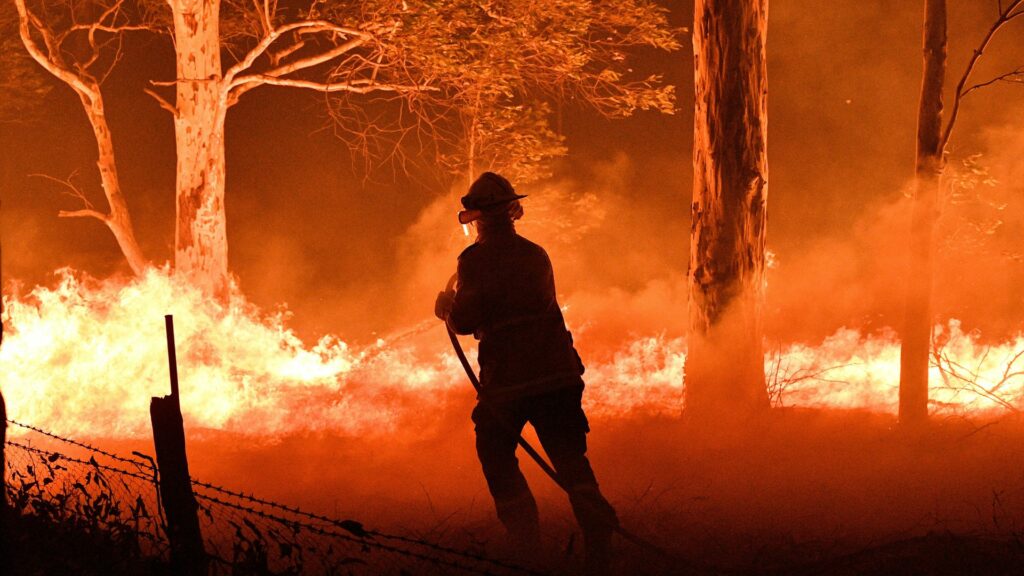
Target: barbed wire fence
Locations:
point(71, 482)
point(105, 501)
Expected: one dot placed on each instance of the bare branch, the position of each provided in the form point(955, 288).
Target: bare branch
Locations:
point(959, 378)
point(68, 183)
point(1016, 75)
point(1012, 11)
point(111, 29)
point(72, 189)
point(309, 26)
point(314, 60)
point(264, 15)
point(50, 59)
point(84, 214)
point(277, 57)
point(162, 101)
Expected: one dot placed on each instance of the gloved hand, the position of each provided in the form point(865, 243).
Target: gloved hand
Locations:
point(443, 304)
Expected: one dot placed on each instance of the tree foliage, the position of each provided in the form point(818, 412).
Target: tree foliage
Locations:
point(513, 63)
point(475, 81)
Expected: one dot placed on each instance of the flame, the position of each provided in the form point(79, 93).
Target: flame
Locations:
point(85, 356)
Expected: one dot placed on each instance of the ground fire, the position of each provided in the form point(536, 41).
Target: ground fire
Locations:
point(246, 371)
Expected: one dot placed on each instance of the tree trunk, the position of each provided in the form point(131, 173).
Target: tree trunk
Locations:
point(118, 220)
point(725, 360)
point(3, 446)
point(3, 475)
point(4, 556)
point(916, 337)
point(201, 245)
point(88, 90)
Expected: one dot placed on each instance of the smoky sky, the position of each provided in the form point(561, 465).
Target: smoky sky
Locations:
point(308, 229)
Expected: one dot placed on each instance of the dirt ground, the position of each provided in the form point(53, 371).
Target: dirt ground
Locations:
point(799, 492)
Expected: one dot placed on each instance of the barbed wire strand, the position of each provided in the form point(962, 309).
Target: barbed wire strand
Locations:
point(92, 462)
point(89, 447)
point(353, 539)
point(269, 503)
point(342, 524)
point(52, 460)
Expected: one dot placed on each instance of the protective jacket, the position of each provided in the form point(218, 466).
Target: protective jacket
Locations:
point(505, 297)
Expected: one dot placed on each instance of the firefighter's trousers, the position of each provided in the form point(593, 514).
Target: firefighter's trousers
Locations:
point(562, 427)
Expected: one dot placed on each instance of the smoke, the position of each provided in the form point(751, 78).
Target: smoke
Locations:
point(348, 400)
point(855, 277)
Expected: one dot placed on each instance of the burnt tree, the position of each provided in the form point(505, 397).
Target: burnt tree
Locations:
point(916, 336)
point(725, 361)
point(3, 460)
point(932, 141)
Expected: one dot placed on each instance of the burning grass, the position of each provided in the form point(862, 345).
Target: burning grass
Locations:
point(84, 356)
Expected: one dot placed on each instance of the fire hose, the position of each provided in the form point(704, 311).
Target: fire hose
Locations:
point(538, 458)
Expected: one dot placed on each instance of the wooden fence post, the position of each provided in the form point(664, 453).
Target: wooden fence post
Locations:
point(187, 554)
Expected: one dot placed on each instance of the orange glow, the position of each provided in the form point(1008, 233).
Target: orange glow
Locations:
point(85, 356)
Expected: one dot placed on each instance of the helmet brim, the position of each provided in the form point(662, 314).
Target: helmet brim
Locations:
point(471, 214)
point(485, 207)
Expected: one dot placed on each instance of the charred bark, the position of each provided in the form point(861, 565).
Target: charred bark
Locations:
point(201, 245)
point(917, 322)
point(725, 361)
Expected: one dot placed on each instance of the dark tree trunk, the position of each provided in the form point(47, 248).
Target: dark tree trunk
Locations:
point(725, 360)
point(3, 445)
point(4, 556)
point(917, 325)
point(3, 478)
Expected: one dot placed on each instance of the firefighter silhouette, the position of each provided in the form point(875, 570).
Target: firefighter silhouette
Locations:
point(529, 370)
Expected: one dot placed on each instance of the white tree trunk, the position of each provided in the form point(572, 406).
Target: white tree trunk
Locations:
point(201, 245)
point(118, 220)
point(49, 57)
